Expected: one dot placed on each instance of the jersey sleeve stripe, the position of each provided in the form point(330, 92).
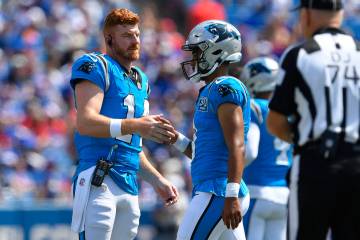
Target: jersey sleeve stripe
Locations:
point(106, 71)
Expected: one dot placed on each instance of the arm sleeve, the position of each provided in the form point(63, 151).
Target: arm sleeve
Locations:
point(89, 68)
point(252, 145)
point(283, 98)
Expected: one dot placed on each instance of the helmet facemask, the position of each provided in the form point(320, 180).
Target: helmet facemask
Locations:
point(211, 43)
point(195, 68)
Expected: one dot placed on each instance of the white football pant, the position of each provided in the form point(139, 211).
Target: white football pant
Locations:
point(202, 219)
point(111, 213)
point(266, 220)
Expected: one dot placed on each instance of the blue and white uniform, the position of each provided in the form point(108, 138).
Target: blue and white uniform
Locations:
point(266, 179)
point(209, 166)
point(123, 98)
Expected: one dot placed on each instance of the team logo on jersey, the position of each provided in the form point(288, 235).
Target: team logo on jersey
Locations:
point(82, 182)
point(225, 90)
point(87, 67)
point(203, 104)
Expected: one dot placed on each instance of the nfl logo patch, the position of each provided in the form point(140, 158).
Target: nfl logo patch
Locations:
point(203, 104)
point(82, 182)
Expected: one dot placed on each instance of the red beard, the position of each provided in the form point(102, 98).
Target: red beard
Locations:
point(132, 53)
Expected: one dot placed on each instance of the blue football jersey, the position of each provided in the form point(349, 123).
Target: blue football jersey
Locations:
point(123, 98)
point(274, 156)
point(209, 167)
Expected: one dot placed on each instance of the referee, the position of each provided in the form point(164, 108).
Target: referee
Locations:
point(316, 106)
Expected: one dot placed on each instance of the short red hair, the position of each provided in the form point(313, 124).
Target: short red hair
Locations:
point(120, 16)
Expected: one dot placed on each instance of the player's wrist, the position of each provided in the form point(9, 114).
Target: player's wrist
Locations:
point(157, 181)
point(182, 142)
point(115, 127)
point(128, 126)
point(232, 189)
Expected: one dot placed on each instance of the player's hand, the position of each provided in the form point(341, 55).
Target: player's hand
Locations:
point(155, 128)
point(173, 139)
point(231, 214)
point(167, 191)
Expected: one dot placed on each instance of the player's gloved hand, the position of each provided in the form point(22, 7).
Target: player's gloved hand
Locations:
point(231, 214)
point(155, 128)
point(167, 191)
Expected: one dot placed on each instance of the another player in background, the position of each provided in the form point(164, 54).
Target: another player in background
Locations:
point(268, 157)
point(112, 115)
point(221, 121)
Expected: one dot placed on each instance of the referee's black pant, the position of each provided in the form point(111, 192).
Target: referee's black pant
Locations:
point(324, 195)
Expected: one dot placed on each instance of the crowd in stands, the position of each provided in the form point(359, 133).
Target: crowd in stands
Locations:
point(39, 39)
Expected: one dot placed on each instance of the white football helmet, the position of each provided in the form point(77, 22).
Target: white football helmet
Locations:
point(259, 75)
point(212, 43)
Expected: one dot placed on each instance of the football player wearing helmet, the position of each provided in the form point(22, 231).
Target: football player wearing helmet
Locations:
point(221, 122)
point(265, 176)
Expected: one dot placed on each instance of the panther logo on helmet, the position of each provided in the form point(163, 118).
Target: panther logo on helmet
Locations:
point(222, 31)
point(259, 75)
point(212, 43)
point(257, 68)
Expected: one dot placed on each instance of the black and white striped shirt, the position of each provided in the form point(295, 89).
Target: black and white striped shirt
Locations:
point(319, 85)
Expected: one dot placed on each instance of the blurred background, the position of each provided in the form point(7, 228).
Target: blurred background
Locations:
point(39, 40)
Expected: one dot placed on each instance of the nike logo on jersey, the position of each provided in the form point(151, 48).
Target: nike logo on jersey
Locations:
point(217, 81)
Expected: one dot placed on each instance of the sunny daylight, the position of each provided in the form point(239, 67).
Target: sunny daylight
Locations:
point(179, 120)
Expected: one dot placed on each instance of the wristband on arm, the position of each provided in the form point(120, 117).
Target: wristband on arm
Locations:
point(115, 127)
point(182, 143)
point(232, 189)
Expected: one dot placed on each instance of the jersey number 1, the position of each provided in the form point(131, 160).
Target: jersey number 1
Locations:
point(129, 102)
